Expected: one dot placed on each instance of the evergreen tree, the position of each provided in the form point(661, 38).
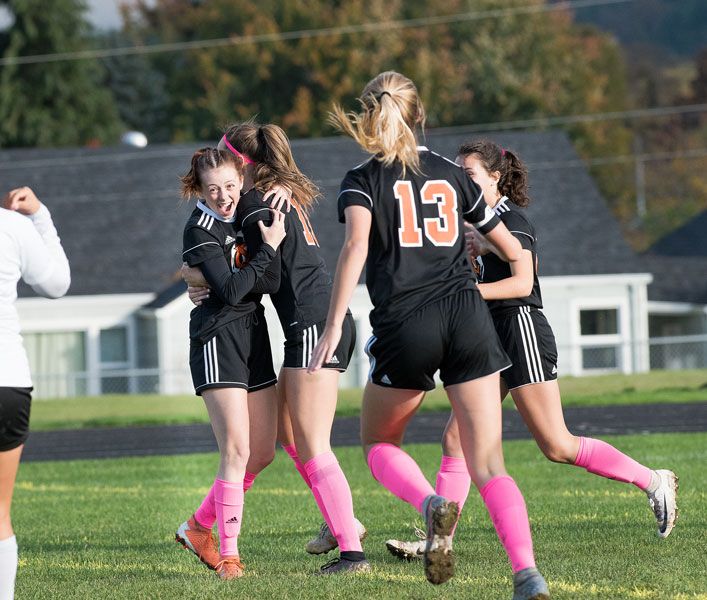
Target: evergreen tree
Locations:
point(52, 103)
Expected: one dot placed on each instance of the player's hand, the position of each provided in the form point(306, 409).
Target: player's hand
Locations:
point(275, 233)
point(198, 294)
point(325, 348)
point(23, 200)
point(476, 243)
point(192, 276)
point(280, 196)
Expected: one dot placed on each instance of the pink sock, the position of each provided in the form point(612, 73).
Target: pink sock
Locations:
point(292, 452)
point(603, 459)
point(205, 515)
point(333, 495)
point(510, 518)
point(228, 496)
point(453, 481)
point(399, 473)
point(248, 480)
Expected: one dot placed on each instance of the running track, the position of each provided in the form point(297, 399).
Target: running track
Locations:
point(426, 427)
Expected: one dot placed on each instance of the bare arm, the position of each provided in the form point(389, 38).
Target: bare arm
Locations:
point(518, 285)
point(348, 270)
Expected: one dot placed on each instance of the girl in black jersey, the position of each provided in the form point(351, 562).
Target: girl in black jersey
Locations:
point(513, 296)
point(301, 301)
point(404, 211)
point(229, 355)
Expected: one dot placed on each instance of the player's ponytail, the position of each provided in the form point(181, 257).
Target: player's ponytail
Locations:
point(203, 160)
point(392, 109)
point(513, 182)
point(269, 149)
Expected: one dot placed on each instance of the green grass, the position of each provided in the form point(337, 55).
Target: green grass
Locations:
point(104, 530)
point(112, 410)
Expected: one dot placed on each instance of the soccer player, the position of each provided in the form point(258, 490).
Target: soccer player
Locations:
point(29, 249)
point(229, 348)
point(301, 303)
point(404, 210)
point(513, 296)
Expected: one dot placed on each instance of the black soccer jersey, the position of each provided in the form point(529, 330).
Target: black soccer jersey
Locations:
point(416, 250)
point(491, 268)
point(210, 244)
point(305, 283)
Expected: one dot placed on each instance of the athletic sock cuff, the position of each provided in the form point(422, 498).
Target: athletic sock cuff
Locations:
point(319, 462)
point(8, 544)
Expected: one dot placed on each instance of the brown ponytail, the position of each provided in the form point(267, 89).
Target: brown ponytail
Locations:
point(514, 174)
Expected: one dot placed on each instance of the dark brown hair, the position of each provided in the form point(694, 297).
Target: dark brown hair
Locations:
point(203, 160)
point(514, 174)
point(269, 148)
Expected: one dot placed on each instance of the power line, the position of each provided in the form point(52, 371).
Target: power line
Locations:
point(306, 33)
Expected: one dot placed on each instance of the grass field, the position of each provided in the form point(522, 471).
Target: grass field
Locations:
point(106, 411)
point(104, 530)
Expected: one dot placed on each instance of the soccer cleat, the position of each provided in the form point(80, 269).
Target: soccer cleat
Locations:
point(663, 501)
point(440, 518)
point(230, 567)
point(408, 550)
point(198, 540)
point(340, 565)
point(529, 584)
point(325, 541)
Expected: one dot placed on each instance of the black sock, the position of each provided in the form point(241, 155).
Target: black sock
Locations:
point(353, 555)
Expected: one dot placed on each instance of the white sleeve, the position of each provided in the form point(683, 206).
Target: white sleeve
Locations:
point(44, 264)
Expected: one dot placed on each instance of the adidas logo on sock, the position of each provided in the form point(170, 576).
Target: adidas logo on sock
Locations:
point(233, 520)
point(385, 379)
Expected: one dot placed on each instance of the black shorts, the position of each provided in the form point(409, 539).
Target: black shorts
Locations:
point(14, 416)
point(238, 355)
point(299, 346)
point(454, 335)
point(527, 338)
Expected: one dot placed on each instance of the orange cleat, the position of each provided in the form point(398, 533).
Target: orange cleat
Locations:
point(230, 567)
point(199, 540)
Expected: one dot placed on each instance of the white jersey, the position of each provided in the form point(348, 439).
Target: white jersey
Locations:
point(29, 249)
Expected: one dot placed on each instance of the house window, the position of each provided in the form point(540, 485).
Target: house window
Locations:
point(57, 361)
point(600, 339)
point(113, 343)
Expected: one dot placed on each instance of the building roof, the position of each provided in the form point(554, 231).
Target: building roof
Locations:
point(120, 218)
point(688, 240)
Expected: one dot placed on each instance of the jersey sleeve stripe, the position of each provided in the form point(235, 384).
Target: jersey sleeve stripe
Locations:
point(488, 215)
point(523, 233)
point(370, 200)
point(481, 196)
point(249, 215)
point(197, 246)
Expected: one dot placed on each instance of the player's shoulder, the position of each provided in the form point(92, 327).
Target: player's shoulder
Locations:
point(251, 207)
point(514, 217)
point(437, 159)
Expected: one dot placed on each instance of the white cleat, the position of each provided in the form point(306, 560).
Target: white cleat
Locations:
point(408, 550)
point(325, 541)
point(664, 503)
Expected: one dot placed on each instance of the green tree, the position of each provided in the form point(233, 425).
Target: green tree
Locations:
point(52, 103)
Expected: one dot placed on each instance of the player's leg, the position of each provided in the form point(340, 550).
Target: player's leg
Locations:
point(228, 413)
point(9, 462)
point(262, 411)
point(285, 434)
point(541, 408)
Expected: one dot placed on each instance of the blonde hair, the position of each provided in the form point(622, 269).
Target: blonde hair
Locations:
point(205, 159)
point(269, 148)
point(386, 126)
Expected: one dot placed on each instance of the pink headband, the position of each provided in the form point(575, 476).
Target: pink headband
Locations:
point(503, 151)
point(246, 160)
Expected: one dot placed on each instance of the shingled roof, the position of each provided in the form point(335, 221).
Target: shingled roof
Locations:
point(689, 239)
point(120, 218)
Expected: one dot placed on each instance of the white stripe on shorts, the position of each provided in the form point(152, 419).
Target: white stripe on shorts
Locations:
point(530, 345)
point(310, 337)
point(371, 358)
point(211, 361)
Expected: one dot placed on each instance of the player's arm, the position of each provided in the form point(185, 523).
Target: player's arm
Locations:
point(208, 256)
point(518, 285)
point(269, 283)
point(348, 270)
point(43, 263)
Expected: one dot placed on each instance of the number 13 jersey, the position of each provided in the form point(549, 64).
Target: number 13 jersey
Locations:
point(416, 249)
